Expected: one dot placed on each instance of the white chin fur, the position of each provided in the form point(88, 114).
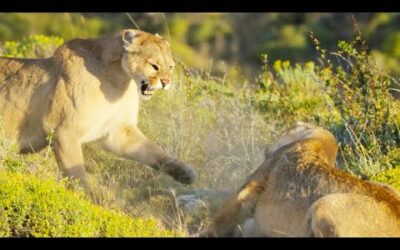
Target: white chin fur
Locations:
point(157, 86)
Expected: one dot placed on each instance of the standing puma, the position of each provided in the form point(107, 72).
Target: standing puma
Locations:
point(89, 91)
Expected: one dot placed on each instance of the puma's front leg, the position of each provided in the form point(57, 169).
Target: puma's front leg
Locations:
point(129, 142)
point(240, 206)
point(68, 152)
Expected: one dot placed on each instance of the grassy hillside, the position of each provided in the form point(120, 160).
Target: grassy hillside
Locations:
point(220, 125)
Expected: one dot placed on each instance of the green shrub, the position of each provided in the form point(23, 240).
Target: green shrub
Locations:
point(34, 46)
point(33, 207)
point(391, 177)
point(350, 97)
point(290, 93)
point(368, 126)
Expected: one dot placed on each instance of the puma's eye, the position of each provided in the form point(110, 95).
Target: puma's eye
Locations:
point(155, 67)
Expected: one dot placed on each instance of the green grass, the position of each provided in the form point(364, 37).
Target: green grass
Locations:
point(33, 207)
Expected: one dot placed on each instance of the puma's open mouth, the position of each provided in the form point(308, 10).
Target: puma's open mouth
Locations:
point(146, 89)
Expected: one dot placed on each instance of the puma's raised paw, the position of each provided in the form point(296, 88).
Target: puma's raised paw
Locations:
point(180, 171)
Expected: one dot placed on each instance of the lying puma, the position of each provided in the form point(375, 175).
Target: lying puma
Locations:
point(298, 191)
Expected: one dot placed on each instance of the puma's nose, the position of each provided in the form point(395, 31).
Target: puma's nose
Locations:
point(165, 82)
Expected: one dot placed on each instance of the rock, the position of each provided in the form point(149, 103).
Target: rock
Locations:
point(193, 201)
point(190, 203)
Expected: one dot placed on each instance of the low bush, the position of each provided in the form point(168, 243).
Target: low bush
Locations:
point(33, 207)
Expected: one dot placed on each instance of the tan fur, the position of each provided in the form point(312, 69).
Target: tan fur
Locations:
point(89, 91)
point(298, 191)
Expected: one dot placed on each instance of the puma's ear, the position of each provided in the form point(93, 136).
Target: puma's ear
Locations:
point(157, 35)
point(128, 37)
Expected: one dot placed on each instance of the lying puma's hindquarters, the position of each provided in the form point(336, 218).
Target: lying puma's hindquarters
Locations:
point(298, 191)
point(89, 91)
